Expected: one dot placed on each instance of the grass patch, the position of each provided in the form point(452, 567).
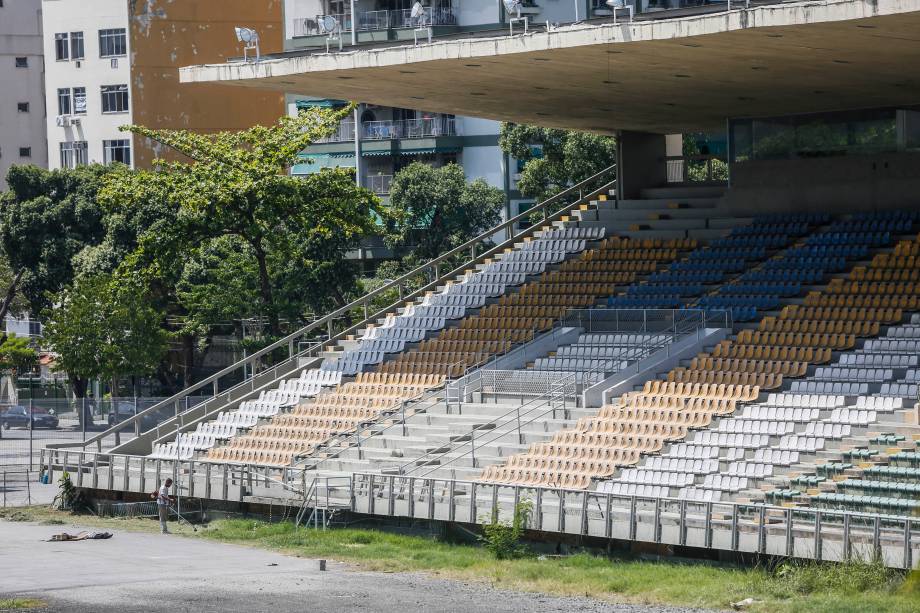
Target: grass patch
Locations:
point(792, 587)
point(18, 604)
point(14, 514)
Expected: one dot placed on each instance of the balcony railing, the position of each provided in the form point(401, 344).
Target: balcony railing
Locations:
point(379, 184)
point(437, 16)
point(369, 21)
point(425, 127)
point(344, 133)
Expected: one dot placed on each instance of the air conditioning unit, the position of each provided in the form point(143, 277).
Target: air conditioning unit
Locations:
point(114, 62)
point(74, 121)
point(63, 121)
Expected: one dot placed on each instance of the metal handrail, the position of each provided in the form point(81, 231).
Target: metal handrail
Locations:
point(560, 385)
point(554, 395)
point(578, 192)
point(347, 440)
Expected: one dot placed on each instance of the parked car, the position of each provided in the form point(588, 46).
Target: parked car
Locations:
point(123, 411)
point(18, 415)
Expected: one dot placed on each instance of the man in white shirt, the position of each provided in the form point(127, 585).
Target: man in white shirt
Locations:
point(163, 500)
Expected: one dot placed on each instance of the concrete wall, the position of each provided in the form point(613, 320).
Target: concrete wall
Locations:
point(640, 162)
point(165, 35)
point(20, 36)
point(838, 184)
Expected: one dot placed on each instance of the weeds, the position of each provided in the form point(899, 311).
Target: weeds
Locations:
point(502, 539)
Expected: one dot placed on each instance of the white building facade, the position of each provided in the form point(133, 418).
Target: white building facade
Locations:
point(22, 98)
point(87, 81)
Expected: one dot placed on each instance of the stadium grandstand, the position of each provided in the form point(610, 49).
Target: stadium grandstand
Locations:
point(727, 365)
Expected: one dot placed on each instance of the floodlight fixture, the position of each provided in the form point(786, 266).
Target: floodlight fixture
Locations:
point(513, 7)
point(331, 27)
point(418, 14)
point(419, 20)
point(250, 40)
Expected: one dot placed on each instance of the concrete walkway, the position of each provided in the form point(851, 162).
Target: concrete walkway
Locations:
point(151, 572)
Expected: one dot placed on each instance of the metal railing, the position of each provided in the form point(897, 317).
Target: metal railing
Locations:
point(553, 388)
point(344, 132)
point(806, 533)
point(372, 21)
point(262, 369)
point(423, 127)
point(379, 184)
point(335, 446)
point(509, 423)
point(434, 16)
point(668, 326)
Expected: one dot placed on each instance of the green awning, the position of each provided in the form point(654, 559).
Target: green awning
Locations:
point(429, 150)
point(377, 153)
point(320, 103)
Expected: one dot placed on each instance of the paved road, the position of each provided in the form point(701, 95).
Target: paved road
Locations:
point(134, 572)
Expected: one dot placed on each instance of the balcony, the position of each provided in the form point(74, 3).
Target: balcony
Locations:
point(343, 134)
point(375, 25)
point(379, 184)
point(426, 127)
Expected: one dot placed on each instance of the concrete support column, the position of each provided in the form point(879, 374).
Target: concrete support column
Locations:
point(640, 162)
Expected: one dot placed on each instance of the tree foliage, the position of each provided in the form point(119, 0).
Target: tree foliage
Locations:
point(555, 159)
point(289, 234)
point(46, 219)
point(105, 328)
point(16, 355)
point(435, 209)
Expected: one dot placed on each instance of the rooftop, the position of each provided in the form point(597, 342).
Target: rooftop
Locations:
point(684, 73)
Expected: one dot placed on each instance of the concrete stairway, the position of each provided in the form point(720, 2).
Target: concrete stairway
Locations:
point(435, 440)
point(666, 212)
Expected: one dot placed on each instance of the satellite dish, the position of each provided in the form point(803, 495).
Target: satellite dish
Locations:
point(511, 5)
point(246, 35)
point(328, 24)
point(417, 10)
point(614, 4)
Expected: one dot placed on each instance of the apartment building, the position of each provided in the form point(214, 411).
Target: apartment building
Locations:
point(22, 100)
point(389, 138)
point(115, 62)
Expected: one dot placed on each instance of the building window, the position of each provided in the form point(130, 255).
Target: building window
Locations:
point(22, 62)
point(114, 98)
point(113, 43)
point(64, 103)
point(61, 47)
point(117, 151)
point(76, 45)
point(35, 328)
point(79, 100)
point(25, 152)
point(72, 101)
point(22, 107)
point(73, 154)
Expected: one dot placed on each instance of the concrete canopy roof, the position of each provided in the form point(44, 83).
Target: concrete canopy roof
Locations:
point(664, 76)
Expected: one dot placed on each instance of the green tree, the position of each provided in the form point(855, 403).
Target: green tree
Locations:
point(236, 186)
point(555, 159)
point(435, 209)
point(16, 355)
point(47, 218)
point(104, 327)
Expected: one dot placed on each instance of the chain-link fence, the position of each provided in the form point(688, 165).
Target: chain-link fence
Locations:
point(20, 488)
point(29, 426)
